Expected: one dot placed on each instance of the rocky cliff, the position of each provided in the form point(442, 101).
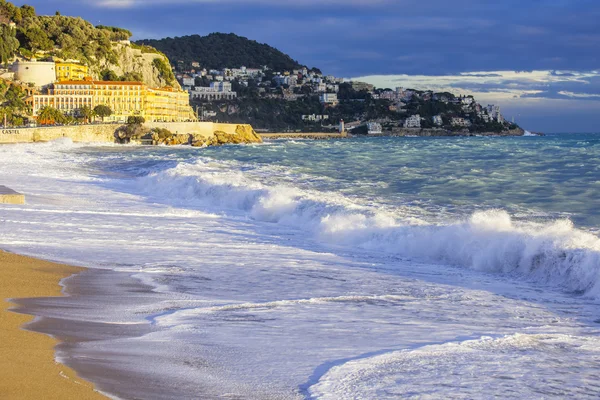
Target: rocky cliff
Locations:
point(134, 59)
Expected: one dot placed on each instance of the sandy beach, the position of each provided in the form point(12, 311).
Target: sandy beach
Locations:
point(27, 363)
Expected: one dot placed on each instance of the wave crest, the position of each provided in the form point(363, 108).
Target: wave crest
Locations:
point(554, 253)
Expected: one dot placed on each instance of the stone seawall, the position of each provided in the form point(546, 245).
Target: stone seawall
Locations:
point(103, 133)
point(198, 133)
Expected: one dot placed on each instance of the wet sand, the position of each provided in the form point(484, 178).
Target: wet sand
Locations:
point(27, 364)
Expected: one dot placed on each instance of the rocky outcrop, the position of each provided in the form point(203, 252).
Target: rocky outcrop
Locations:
point(243, 134)
point(133, 59)
point(222, 134)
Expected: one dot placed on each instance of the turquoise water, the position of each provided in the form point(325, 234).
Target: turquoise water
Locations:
point(556, 176)
point(363, 268)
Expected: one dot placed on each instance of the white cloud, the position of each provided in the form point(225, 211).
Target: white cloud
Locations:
point(579, 95)
point(496, 85)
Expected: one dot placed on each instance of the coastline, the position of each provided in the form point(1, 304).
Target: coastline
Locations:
point(28, 363)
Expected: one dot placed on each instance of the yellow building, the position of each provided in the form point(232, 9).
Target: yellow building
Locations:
point(167, 105)
point(70, 71)
point(125, 99)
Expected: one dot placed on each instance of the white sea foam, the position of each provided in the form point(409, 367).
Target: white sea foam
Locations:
point(485, 367)
point(263, 290)
point(554, 253)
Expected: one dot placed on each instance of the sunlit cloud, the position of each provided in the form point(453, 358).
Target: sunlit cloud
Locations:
point(501, 85)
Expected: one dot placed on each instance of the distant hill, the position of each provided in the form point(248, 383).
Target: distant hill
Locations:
point(220, 50)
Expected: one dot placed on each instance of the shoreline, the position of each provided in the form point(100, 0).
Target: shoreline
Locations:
point(28, 365)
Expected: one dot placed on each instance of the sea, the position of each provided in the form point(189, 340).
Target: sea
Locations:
point(361, 268)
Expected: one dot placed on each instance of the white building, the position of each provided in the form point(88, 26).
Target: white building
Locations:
point(374, 128)
point(281, 80)
point(461, 122)
point(221, 86)
point(437, 120)
point(315, 118)
point(389, 95)
point(188, 80)
point(40, 74)
point(413, 121)
point(494, 113)
point(328, 98)
point(216, 91)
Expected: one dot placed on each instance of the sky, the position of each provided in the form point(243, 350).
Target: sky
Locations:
point(538, 59)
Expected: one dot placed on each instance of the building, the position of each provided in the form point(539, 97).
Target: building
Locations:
point(467, 100)
point(216, 91)
point(389, 95)
point(125, 99)
point(39, 73)
point(167, 105)
point(188, 80)
point(413, 121)
point(437, 120)
point(329, 98)
point(71, 71)
point(461, 122)
point(359, 86)
point(315, 118)
point(374, 128)
point(494, 113)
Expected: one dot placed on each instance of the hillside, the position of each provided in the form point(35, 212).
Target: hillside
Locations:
point(219, 50)
point(104, 49)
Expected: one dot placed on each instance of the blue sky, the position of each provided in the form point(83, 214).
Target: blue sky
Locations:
point(468, 46)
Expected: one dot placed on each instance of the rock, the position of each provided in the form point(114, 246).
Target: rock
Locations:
point(134, 60)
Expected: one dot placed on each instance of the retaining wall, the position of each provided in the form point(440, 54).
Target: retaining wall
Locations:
point(104, 133)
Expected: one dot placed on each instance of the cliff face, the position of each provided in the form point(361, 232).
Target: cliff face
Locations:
point(132, 59)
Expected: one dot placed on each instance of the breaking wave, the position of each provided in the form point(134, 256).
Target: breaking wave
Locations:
point(555, 253)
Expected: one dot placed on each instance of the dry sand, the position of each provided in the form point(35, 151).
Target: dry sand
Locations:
point(27, 366)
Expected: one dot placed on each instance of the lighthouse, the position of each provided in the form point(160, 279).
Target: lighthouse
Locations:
point(342, 127)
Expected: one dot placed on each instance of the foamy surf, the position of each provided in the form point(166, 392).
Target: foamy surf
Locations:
point(318, 270)
point(553, 253)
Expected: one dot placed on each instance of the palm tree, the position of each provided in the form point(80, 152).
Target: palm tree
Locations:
point(48, 116)
point(87, 113)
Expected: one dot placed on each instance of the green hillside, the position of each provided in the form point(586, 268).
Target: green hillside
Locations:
point(219, 50)
point(56, 35)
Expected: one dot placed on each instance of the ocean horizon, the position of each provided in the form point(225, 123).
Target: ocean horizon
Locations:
point(379, 268)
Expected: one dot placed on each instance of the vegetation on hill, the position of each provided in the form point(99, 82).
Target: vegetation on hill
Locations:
point(61, 36)
point(45, 37)
point(219, 50)
point(12, 103)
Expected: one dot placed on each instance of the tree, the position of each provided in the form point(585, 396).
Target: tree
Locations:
point(87, 113)
point(49, 116)
point(135, 120)
point(8, 44)
point(103, 111)
point(109, 75)
point(27, 11)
